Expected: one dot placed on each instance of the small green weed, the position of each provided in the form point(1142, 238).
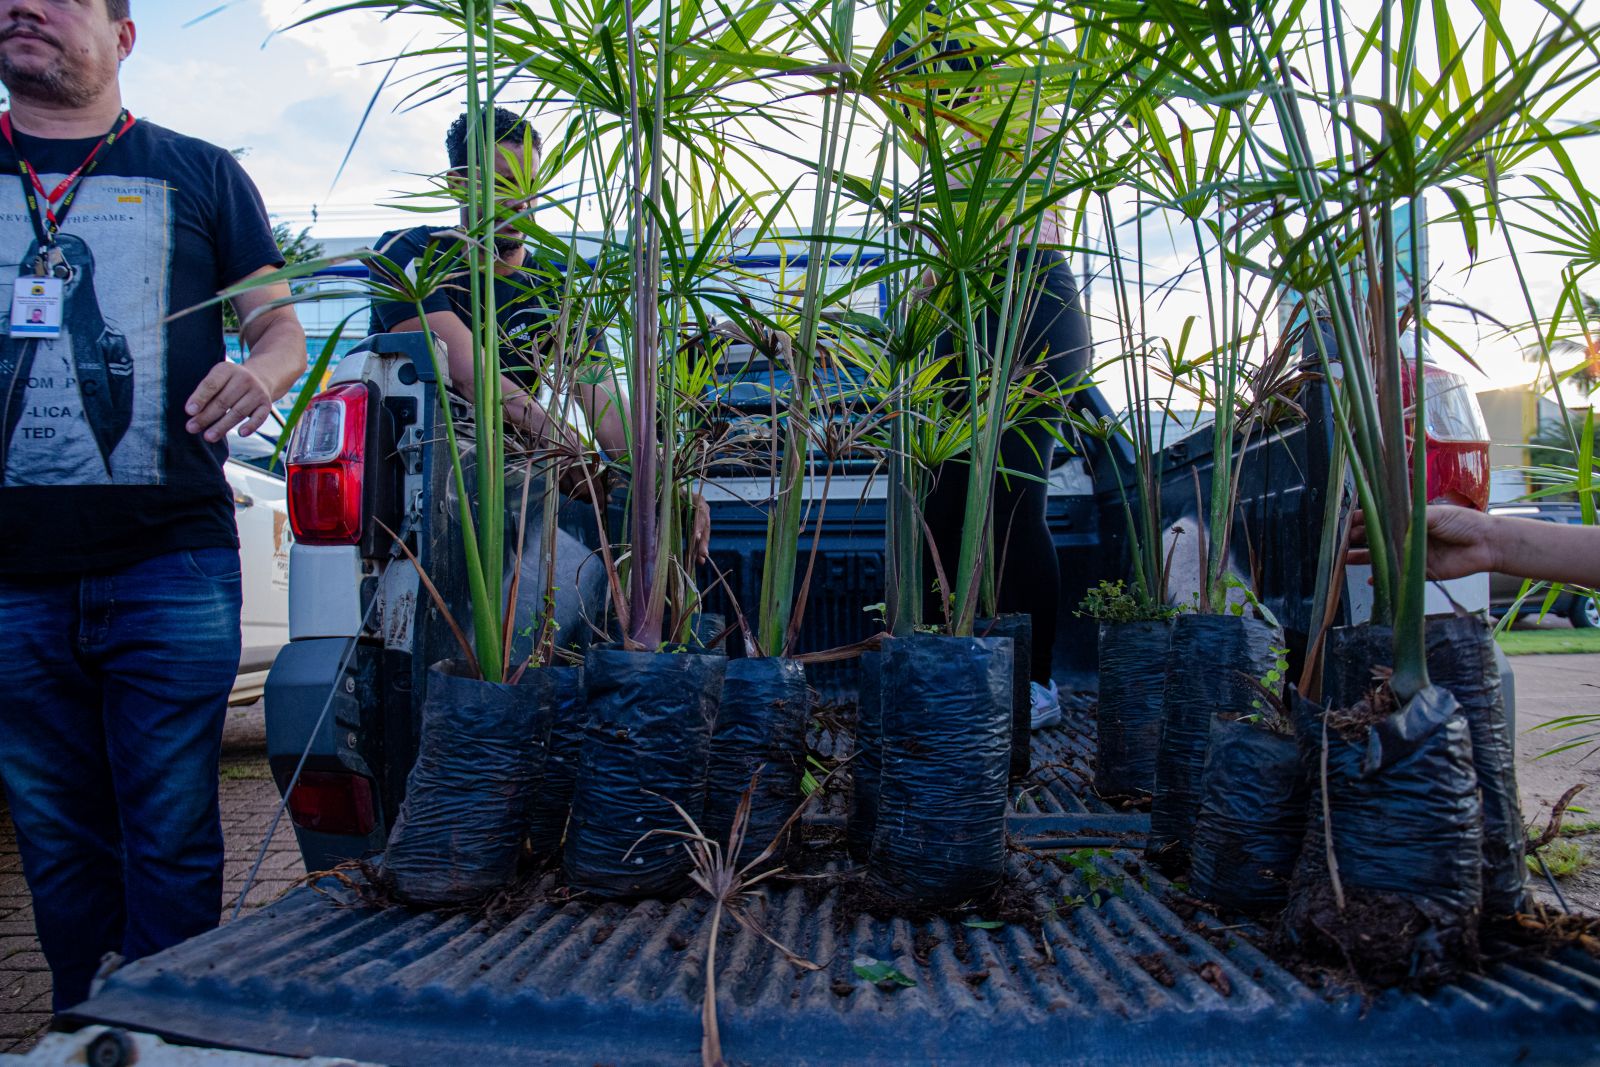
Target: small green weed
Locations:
point(1101, 886)
point(249, 771)
point(881, 974)
point(1564, 858)
point(1250, 601)
point(809, 782)
point(1114, 602)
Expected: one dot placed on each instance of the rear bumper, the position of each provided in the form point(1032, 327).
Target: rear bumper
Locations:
point(314, 711)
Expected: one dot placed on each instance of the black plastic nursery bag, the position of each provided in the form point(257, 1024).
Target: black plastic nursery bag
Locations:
point(547, 823)
point(761, 727)
point(1461, 659)
point(1213, 660)
point(1402, 798)
point(1252, 817)
point(1133, 680)
point(648, 732)
point(867, 762)
point(1019, 627)
point(940, 835)
point(462, 824)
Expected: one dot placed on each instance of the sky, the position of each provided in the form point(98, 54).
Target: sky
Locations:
point(295, 98)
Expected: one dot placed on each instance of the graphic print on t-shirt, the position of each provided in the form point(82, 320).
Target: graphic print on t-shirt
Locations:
point(89, 407)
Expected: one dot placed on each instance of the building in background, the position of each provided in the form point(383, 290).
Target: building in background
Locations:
point(340, 306)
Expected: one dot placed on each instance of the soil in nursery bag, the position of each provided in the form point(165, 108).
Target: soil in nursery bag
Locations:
point(760, 732)
point(648, 732)
point(1461, 659)
point(1214, 660)
point(1019, 627)
point(1402, 799)
point(547, 823)
point(867, 762)
point(1133, 679)
point(1252, 817)
point(946, 711)
point(465, 815)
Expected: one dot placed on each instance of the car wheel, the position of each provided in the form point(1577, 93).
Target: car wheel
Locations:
point(1585, 613)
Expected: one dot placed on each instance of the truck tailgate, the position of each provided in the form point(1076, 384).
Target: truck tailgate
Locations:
point(1121, 970)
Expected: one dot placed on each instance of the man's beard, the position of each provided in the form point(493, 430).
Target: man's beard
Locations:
point(58, 84)
point(504, 246)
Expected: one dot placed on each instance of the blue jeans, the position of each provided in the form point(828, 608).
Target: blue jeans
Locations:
point(113, 690)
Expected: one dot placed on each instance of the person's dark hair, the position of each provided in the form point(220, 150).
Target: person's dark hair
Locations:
point(507, 127)
point(116, 10)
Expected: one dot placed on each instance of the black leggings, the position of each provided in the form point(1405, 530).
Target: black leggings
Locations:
point(1056, 339)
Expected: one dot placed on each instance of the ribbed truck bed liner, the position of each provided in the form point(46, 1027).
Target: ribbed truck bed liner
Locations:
point(1112, 975)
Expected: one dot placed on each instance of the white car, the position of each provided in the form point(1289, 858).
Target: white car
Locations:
point(260, 504)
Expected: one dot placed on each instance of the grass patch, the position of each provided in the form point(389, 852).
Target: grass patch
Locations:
point(245, 771)
point(1579, 829)
point(1564, 858)
point(1547, 642)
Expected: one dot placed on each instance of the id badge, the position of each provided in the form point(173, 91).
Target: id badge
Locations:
point(36, 307)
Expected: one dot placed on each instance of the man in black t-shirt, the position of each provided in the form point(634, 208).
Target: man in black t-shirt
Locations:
point(119, 564)
point(526, 300)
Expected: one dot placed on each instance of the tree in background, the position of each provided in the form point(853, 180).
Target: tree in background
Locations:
point(295, 248)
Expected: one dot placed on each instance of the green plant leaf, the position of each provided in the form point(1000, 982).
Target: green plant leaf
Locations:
point(883, 975)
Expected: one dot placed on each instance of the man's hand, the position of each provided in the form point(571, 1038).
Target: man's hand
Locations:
point(242, 395)
point(586, 478)
point(231, 395)
point(1461, 541)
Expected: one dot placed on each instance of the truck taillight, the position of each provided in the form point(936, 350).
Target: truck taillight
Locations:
point(1453, 413)
point(327, 468)
point(333, 803)
point(1456, 438)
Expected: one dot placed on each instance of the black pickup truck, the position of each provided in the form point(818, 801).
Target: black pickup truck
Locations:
point(1116, 965)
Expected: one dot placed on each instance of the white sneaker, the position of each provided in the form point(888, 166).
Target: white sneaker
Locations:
point(1046, 705)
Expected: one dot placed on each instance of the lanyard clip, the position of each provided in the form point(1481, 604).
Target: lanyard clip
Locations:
point(51, 261)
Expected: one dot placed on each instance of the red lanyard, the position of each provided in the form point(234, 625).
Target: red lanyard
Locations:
point(47, 223)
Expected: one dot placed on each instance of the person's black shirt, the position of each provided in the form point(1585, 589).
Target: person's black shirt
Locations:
point(526, 300)
point(96, 468)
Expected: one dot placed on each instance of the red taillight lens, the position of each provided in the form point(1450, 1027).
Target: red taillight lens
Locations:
point(327, 464)
point(1453, 413)
point(333, 803)
point(1456, 438)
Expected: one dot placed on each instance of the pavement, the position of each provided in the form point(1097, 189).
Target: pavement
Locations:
point(1548, 687)
point(1551, 687)
point(249, 801)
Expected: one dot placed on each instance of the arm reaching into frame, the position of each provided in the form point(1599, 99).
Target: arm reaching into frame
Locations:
point(1463, 541)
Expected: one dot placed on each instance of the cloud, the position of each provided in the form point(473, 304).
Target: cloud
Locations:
point(294, 99)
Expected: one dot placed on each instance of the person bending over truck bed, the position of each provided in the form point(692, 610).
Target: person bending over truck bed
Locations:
point(1054, 343)
point(525, 301)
